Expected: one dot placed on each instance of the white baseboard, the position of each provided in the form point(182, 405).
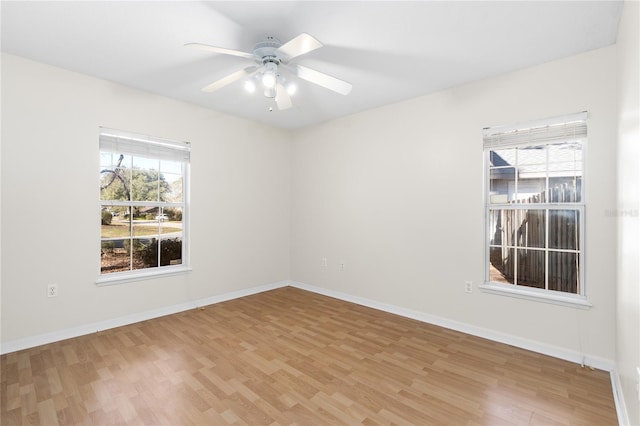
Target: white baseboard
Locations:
point(618, 398)
point(240, 293)
point(539, 347)
point(56, 336)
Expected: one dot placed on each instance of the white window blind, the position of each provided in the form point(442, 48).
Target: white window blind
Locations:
point(563, 128)
point(143, 146)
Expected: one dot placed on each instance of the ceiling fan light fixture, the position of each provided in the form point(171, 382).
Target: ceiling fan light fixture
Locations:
point(249, 86)
point(270, 92)
point(269, 78)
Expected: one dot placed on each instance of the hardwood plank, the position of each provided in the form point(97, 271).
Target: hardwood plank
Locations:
point(288, 356)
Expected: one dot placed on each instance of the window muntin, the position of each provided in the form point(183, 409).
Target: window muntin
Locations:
point(143, 202)
point(534, 205)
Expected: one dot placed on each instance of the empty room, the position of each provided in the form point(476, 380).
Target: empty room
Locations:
point(320, 212)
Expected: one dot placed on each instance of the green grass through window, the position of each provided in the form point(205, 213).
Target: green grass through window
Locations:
point(113, 231)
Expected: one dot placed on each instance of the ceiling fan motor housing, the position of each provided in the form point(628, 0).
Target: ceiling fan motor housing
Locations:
point(265, 51)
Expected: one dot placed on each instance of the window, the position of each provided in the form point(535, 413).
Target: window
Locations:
point(535, 207)
point(143, 205)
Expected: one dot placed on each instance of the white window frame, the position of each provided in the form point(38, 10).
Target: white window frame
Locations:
point(527, 134)
point(149, 147)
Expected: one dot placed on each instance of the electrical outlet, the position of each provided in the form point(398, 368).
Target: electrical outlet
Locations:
point(52, 290)
point(342, 267)
point(468, 287)
point(323, 262)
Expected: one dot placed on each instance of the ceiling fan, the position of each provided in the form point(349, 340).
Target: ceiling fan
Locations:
point(271, 56)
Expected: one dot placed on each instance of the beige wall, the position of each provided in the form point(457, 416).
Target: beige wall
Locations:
point(396, 194)
point(628, 207)
point(50, 118)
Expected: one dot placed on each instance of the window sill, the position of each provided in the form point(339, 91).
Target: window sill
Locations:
point(538, 295)
point(124, 277)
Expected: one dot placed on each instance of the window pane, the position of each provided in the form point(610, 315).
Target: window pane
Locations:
point(105, 217)
point(114, 256)
point(106, 159)
point(174, 167)
point(144, 185)
point(502, 184)
point(536, 154)
point(517, 227)
point(145, 253)
point(512, 220)
point(502, 157)
point(563, 229)
point(112, 160)
point(170, 251)
point(504, 227)
point(501, 265)
point(566, 152)
point(531, 268)
point(566, 188)
point(146, 222)
point(529, 190)
point(171, 188)
point(174, 216)
point(114, 184)
point(495, 227)
point(112, 222)
point(564, 271)
point(531, 228)
point(171, 227)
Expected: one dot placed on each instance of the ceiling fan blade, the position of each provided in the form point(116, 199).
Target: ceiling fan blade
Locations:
point(322, 79)
point(304, 43)
point(282, 97)
point(229, 79)
point(221, 50)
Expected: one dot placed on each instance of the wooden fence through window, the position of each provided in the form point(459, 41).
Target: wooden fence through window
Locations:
point(521, 235)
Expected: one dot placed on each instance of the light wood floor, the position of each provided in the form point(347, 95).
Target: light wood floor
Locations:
point(289, 356)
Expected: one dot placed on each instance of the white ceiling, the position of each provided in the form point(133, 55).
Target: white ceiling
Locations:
point(389, 50)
